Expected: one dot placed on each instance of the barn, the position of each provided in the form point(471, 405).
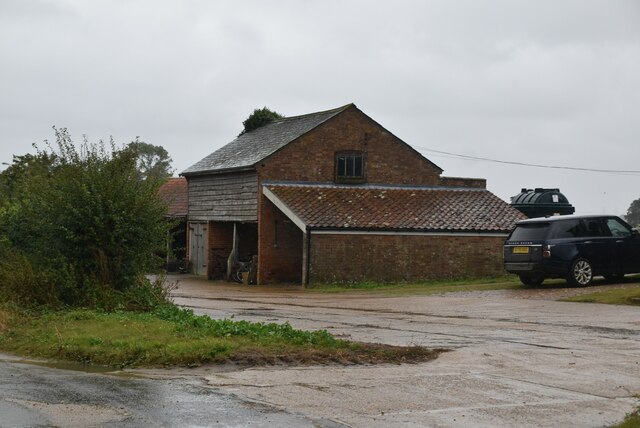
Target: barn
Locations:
point(333, 196)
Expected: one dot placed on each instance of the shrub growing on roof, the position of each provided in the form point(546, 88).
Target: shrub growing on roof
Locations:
point(258, 118)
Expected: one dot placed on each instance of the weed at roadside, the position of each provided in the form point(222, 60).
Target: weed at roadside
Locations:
point(174, 336)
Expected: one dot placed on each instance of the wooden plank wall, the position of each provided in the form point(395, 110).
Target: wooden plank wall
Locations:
point(228, 197)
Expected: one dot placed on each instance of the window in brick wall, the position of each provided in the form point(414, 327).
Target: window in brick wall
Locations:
point(350, 167)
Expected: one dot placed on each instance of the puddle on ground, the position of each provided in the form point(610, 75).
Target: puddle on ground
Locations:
point(172, 372)
point(71, 366)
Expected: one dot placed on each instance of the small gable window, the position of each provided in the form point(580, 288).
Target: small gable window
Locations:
point(350, 167)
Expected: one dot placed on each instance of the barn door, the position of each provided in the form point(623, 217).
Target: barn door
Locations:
point(198, 248)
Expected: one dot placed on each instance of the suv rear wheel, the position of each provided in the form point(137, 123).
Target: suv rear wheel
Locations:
point(531, 280)
point(581, 273)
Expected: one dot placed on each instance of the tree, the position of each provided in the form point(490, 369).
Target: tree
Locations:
point(633, 213)
point(258, 118)
point(20, 170)
point(153, 162)
point(88, 225)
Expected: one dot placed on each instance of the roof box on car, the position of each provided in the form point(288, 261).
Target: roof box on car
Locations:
point(541, 202)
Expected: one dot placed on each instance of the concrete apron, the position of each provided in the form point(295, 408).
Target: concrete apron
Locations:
point(514, 361)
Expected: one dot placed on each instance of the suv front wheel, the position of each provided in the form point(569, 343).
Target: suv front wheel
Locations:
point(581, 273)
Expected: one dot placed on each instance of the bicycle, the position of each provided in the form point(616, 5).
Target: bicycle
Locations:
point(242, 268)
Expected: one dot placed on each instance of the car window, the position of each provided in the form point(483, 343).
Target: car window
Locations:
point(567, 229)
point(617, 228)
point(579, 228)
point(593, 227)
point(530, 232)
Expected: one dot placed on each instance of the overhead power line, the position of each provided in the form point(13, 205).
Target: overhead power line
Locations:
point(571, 168)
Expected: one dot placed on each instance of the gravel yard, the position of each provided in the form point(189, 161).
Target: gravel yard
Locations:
point(518, 357)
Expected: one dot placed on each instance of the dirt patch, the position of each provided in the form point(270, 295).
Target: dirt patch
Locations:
point(359, 353)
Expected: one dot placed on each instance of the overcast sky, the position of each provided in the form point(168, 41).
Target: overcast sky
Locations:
point(543, 82)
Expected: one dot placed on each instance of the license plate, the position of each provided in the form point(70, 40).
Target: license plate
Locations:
point(520, 250)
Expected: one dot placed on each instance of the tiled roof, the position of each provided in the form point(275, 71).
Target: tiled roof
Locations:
point(175, 194)
point(397, 208)
point(250, 148)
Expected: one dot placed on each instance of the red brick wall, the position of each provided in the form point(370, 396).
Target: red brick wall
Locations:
point(311, 157)
point(220, 245)
point(348, 258)
point(463, 182)
point(279, 246)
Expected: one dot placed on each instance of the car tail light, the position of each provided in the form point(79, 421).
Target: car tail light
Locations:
point(546, 251)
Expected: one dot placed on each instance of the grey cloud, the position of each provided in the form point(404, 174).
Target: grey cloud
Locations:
point(551, 82)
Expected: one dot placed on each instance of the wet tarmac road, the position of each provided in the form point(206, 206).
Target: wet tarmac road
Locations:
point(38, 396)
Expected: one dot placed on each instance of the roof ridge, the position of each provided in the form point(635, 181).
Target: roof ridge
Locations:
point(333, 110)
point(371, 186)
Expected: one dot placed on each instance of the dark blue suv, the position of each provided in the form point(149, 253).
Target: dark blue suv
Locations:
point(573, 247)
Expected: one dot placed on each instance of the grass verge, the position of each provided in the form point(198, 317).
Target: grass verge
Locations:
point(616, 296)
point(631, 421)
point(172, 336)
point(421, 288)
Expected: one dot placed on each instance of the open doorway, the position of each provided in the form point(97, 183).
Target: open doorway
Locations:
point(221, 245)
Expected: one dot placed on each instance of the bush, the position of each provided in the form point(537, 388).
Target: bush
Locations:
point(83, 230)
point(20, 283)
